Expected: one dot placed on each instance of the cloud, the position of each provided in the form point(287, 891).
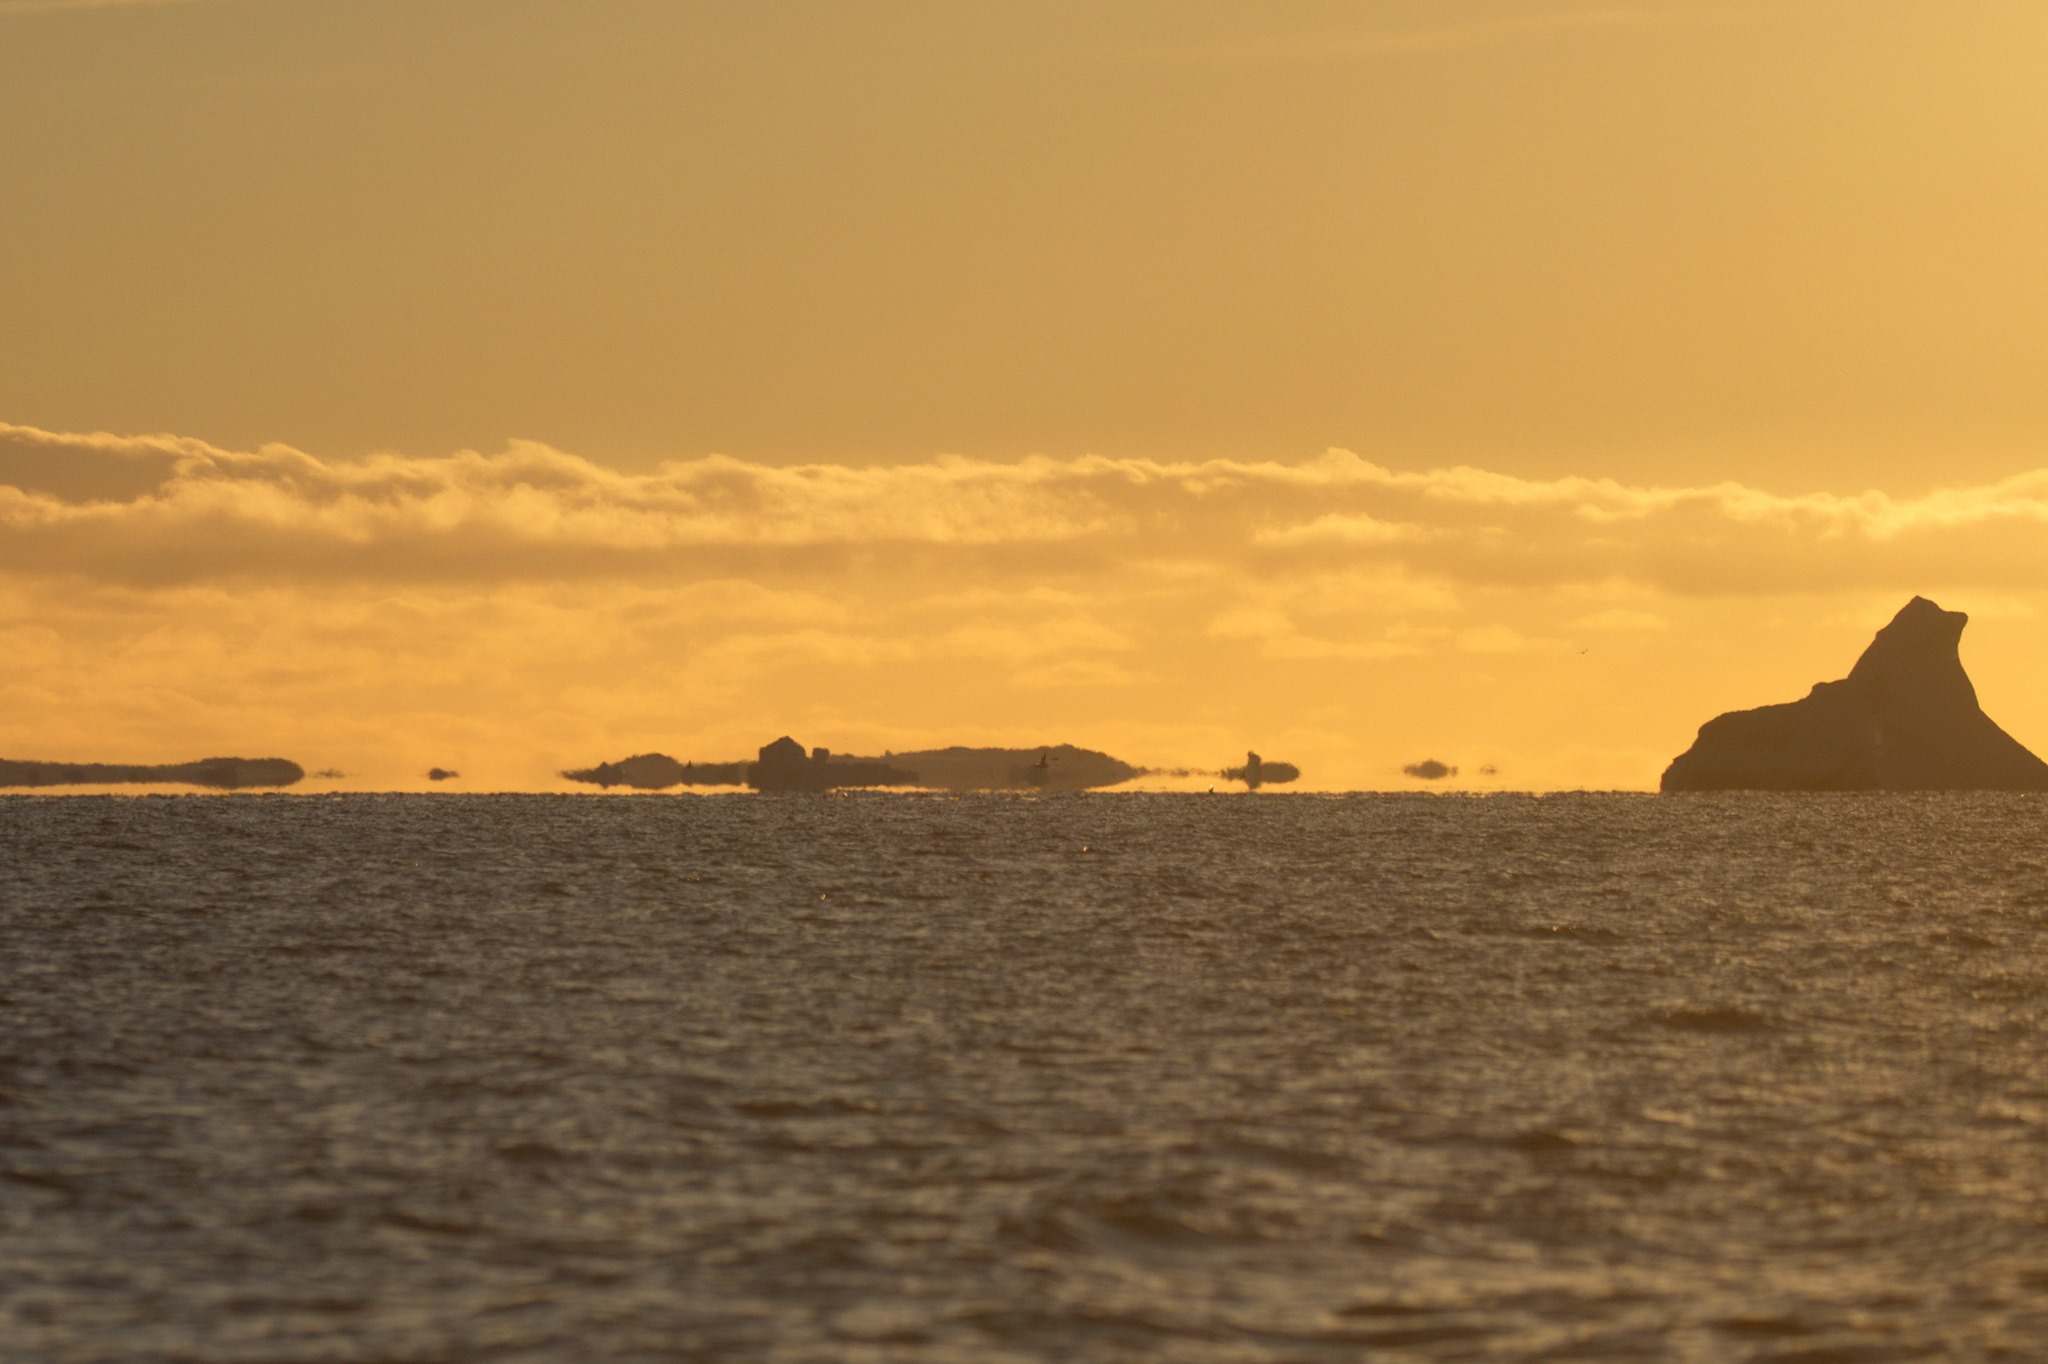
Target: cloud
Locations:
point(1621, 618)
point(1492, 639)
point(161, 510)
point(1345, 530)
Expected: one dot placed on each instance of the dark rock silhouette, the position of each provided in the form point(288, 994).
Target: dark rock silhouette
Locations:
point(659, 772)
point(222, 774)
point(1429, 769)
point(441, 774)
point(784, 766)
point(1905, 719)
point(1257, 772)
point(1057, 767)
point(642, 772)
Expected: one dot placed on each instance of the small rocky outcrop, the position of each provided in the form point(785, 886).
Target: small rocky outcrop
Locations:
point(784, 766)
point(659, 772)
point(1054, 767)
point(642, 772)
point(1905, 719)
point(1257, 772)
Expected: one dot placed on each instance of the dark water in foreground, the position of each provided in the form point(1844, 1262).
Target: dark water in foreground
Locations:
point(1195, 1078)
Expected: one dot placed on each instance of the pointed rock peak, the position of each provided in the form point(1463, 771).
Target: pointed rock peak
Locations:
point(1921, 637)
point(1919, 608)
point(1905, 719)
point(1921, 623)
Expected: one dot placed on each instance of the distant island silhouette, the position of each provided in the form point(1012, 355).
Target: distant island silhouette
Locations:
point(785, 766)
point(1257, 772)
point(658, 772)
point(1906, 718)
point(1052, 767)
point(223, 774)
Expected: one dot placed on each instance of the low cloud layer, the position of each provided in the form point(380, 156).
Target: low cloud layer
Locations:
point(160, 510)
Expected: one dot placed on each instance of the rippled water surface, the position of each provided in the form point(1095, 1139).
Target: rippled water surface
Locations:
point(415, 1078)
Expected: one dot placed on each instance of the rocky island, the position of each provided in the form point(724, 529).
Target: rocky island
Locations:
point(1056, 767)
point(1257, 772)
point(658, 772)
point(780, 766)
point(222, 774)
point(784, 766)
point(1905, 719)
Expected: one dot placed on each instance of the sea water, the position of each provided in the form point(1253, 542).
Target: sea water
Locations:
point(1100, 1077)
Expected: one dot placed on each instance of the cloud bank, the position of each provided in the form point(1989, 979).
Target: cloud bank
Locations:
point(163, 510)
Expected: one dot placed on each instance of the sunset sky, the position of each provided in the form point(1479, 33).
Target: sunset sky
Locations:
point(508, 385)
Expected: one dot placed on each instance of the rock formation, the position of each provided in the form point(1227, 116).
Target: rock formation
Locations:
point(642, 772)
point(222, 774)
point(1056, 767)
point(1257, 772)
point(1905, 719)
point(783, 766)
point(658, 772)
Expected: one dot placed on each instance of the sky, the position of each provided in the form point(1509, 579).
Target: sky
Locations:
point(508, 385)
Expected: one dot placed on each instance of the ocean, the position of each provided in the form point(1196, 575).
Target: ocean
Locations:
point(875, 1077)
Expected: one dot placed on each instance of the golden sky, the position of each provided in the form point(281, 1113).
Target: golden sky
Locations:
point(1516, 384)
